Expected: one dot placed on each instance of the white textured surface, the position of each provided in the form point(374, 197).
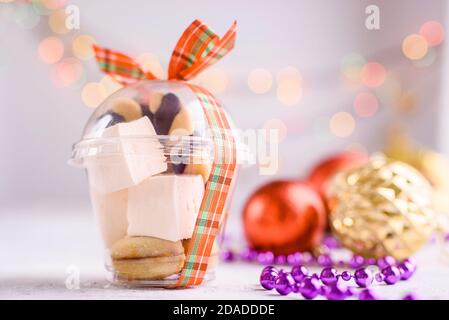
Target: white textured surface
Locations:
point(40, 245)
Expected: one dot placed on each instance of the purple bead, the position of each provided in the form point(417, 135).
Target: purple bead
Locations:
point(328, 276)
point(309, 288)
point(299, 273)
point(392, 274)
point(227, 255)
point(386, 262)
point(325, 260)
point(267, 279)
point(356, 261)
point(410, 296)
point(331, 242)
point(367, 295)
point(248, 254)
point(283, 284)
point(265, 258)
point(294, 259)
point(295, 287)
point(407, 269)
point(315, 276)
point(337, 291)
point(280, 259)
point(379, 277)
point(269, 269)
point(363, 277)
point(346, 275)
point(308, 258)
point(371, 261)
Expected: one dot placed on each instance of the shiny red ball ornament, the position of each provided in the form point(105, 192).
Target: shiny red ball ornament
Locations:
point(323, 173)
point(284, 217)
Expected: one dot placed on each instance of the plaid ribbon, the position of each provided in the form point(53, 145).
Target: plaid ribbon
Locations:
point(197, 49)
point(217, 190)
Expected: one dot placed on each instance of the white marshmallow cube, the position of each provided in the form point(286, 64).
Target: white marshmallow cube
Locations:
point(165, 206)
point(136, 161)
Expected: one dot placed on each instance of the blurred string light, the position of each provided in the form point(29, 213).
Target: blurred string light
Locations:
point(414, 46)
point(432, 32)
point(82, 47)
point(150, 62)
point(26, 16)
point(93, 94)
point(407, 102)
point(351, 66)
point(50, 50)
point(342, 124)
point(110, 85)
point(427, 60)
point(68, 73)
point(289, 86)
point(390, 91)
point(366, 104)
point(260, 80)
point(215, 80)
point(373, 74)
point(279, 126)
point(57, 22)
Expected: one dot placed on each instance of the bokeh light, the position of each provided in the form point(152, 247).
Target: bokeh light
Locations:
point(150, 62)
point(260, 80)
point(351, 66)
point(110, 85)
point(342, 124)
point(414, 47)
point(57, 22)
point(289, 86)
point(389, 92)
point(215, 80)
point(432, 32)
point(276, 124)
point(407, 102)
point(93, 94)
point(427, 60)
point(366, 104)
point(53, 4)
point(25, 16)
point(50, 50)
point(82, 47)
point(373, 74)
point(67, 73)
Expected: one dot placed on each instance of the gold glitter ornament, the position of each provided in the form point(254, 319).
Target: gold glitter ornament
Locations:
point(382, 208)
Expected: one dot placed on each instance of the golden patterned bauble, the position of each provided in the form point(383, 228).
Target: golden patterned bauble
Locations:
point(382, 208)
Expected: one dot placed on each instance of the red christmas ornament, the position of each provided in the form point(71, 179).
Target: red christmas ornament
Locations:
point(329, 167)
point(284, 217)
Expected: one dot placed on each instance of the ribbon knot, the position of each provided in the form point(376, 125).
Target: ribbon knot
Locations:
point(197, 48)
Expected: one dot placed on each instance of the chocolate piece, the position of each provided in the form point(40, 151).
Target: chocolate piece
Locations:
point(163, 117)
point(146, 112)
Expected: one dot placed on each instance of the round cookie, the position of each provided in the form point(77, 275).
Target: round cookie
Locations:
point(182, 124)
point(127, 108)
point(202, 169)
point(147, 258)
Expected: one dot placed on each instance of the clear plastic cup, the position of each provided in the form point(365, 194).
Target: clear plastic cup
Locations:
point(148, 156)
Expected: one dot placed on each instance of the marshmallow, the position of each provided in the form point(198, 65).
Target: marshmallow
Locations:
point(110, 211)
point(135, 161)
point(165, 206)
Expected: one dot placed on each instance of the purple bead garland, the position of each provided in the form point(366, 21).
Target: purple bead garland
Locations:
point(327, 284)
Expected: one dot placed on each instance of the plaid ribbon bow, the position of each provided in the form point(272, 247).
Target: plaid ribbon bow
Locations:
point(197, 49)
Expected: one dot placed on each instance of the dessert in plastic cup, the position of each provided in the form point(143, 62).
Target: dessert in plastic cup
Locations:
point(148, 158)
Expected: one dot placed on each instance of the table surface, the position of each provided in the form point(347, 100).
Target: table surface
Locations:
point(45, 248)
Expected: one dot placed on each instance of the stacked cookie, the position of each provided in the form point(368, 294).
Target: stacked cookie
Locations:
point(147, 204)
